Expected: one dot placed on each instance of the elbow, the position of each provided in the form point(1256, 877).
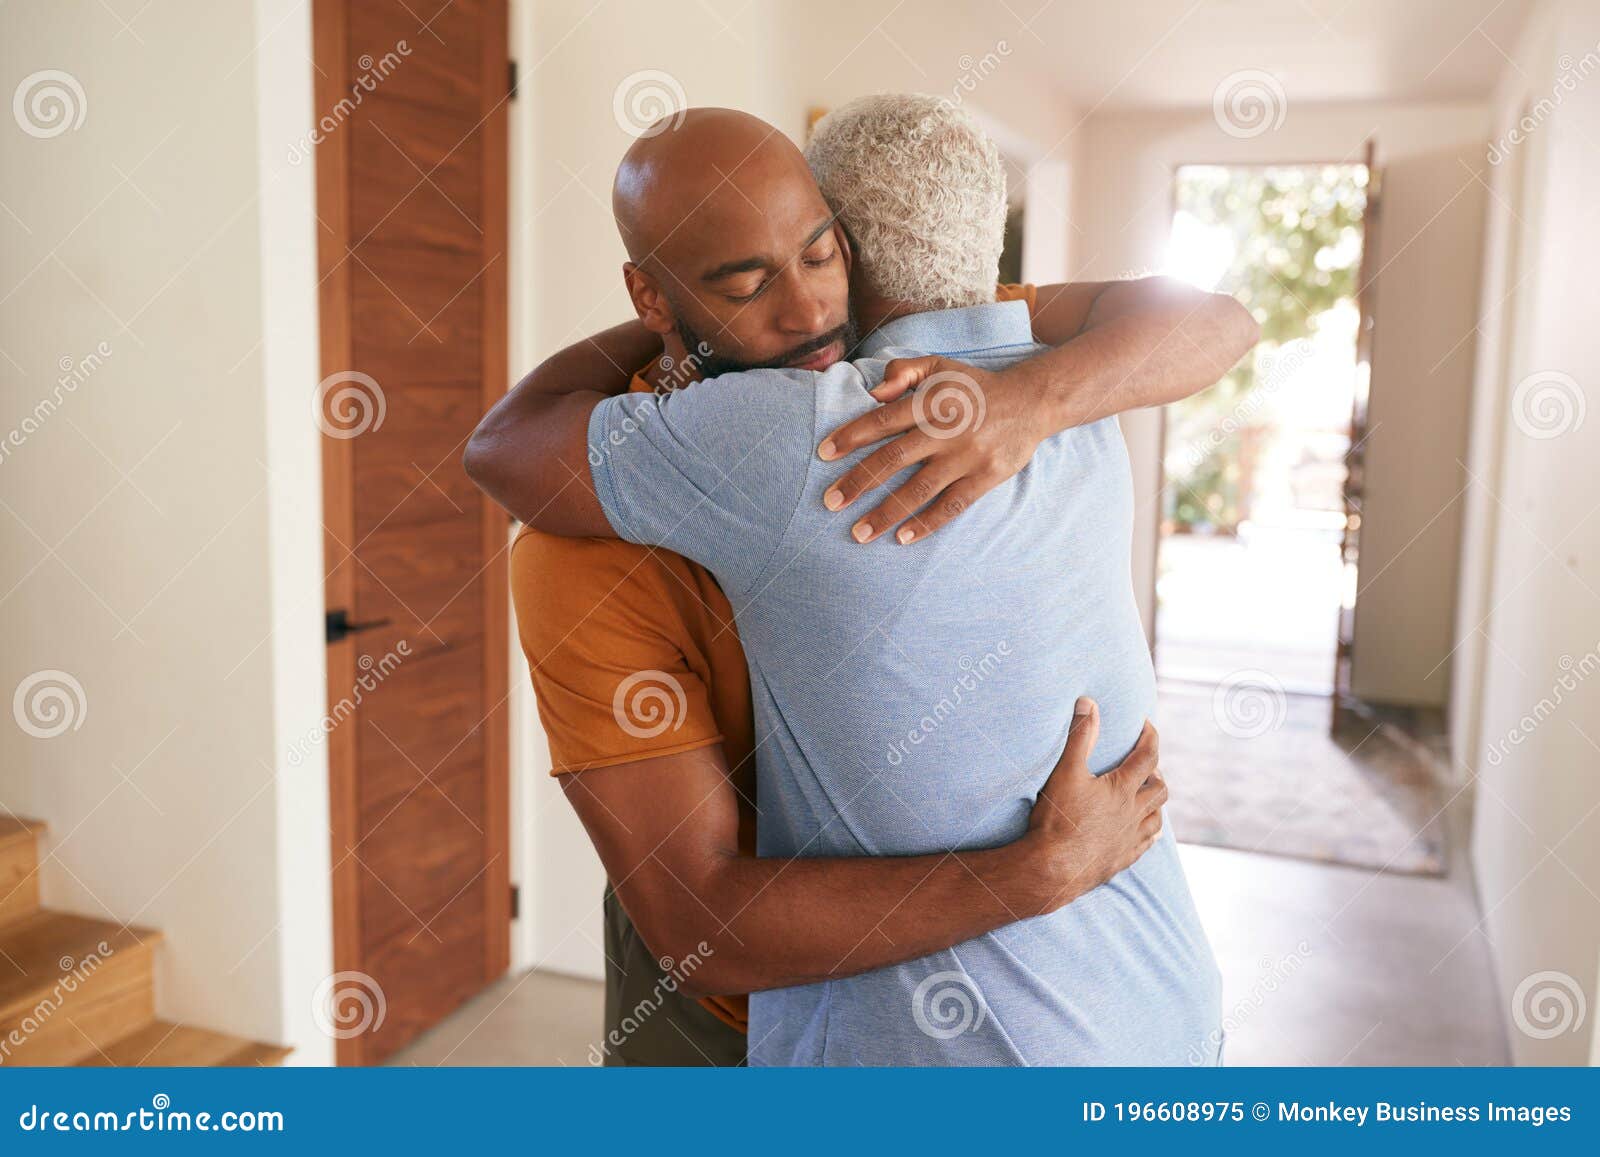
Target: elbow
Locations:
point(698, 968)
point(1243, 330)
point(485, 462)
point(696, 952)
point(478, 457)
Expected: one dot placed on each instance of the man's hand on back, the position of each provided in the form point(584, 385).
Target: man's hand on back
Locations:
point(1119, 346)
point(1084, 828)
point(968, 429)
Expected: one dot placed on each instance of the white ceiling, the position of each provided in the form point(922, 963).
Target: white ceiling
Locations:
point(1116, 53)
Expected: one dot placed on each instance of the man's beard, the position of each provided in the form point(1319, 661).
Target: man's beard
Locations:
point(709, 363)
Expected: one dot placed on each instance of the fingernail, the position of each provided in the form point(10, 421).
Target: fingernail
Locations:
point(1084, 706)
point(827, 450)
point(833, 500)
point(906, 535)
point(861, 532)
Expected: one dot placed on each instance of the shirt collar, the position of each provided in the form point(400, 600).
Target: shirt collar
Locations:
point(953, 332)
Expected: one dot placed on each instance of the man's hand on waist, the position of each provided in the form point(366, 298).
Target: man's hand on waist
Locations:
point(1084, 828)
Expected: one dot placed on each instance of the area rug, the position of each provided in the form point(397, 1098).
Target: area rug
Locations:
point(1252, 767)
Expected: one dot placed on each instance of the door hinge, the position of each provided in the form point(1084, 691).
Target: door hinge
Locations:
point(511, 80)
point(516, 901)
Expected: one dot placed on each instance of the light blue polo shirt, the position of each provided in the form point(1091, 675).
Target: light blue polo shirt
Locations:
point(912, 700)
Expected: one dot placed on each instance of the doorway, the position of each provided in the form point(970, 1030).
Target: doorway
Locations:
point(1258, 548)
point(410, 150)
point(1250, 573)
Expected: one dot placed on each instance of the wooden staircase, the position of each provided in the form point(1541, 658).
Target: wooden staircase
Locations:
point(80, 991)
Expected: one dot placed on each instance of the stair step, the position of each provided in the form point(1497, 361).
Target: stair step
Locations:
point(162, 1044)
point(70, 985)
point(16, 828)
point(19, 862)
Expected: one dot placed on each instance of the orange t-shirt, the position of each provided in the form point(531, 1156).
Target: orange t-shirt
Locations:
point(599, 617)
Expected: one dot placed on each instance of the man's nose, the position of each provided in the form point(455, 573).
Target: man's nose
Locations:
point(802, 310)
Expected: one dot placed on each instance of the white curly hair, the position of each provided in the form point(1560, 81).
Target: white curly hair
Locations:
point(921, 190)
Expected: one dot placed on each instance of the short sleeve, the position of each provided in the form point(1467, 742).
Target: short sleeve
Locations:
point(1006, 291)
point(596, 622)
point(713, 471)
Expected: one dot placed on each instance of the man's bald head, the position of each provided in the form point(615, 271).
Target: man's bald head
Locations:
point(712, 153)
point(730, 239)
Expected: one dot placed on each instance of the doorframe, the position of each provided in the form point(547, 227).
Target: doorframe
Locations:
point(1355, 456)
point(329, 20)
point(1161, 414)
point(495, 523)
point(332, 165)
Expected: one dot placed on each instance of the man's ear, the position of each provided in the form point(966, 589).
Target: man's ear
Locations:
point(649, 302)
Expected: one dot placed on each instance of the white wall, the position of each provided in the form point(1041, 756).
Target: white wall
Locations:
point(1536, 839)
point(161, 541)
point(1422, 371)
point(833, 51)
point(1510, 244)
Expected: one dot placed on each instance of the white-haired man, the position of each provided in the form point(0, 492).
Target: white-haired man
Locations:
point(903, 697)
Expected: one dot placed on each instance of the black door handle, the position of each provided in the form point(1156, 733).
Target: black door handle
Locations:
point(339, 625)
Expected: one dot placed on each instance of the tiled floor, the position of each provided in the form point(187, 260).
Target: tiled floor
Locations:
point(532, 1018)
point(1323, 965)
point(1326, 965)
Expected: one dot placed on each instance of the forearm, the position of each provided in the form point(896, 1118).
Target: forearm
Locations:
point(772, 923)
point(1144, 343)
point(512, 455)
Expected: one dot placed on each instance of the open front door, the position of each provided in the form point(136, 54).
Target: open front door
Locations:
point(1355, 457)
point(411, 189)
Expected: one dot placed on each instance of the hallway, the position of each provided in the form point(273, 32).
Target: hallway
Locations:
point(1322, 965)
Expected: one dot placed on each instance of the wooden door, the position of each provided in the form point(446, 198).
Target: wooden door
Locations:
point(411, 190)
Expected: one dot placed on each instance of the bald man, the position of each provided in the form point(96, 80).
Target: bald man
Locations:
point(737, 262)
point(665, 199)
